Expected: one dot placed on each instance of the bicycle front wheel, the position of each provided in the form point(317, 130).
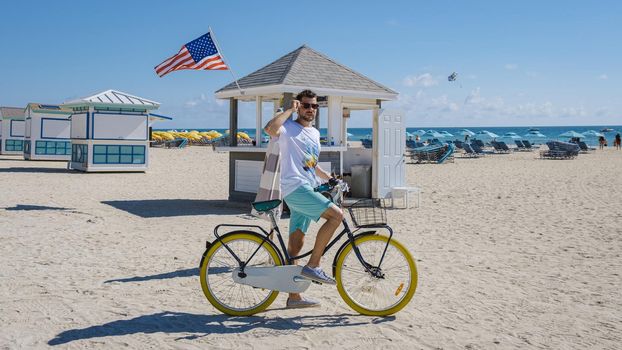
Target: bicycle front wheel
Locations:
point(217, 268)
point(367, 294)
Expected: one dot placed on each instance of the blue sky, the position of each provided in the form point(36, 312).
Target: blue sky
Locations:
point(520, 63)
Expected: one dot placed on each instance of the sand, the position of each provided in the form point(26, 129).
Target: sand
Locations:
point(513, 252)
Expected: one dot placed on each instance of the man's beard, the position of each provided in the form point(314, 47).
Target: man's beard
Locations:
point(307, 118)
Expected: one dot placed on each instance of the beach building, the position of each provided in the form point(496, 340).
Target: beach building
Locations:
point(340, 91)
point(110, 132)
point(12, 126)
point(47, 132)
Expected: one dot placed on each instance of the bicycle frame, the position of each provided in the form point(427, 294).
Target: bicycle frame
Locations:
point(373, 270)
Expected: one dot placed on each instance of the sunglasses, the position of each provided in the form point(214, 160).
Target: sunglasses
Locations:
point(310, 105)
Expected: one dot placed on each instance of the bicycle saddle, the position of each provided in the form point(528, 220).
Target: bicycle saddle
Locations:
point(266, 205)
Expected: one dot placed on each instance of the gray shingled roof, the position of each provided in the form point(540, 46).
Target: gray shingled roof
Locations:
point(307, 67)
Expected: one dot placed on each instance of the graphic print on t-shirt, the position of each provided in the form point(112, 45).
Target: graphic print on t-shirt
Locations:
point(310, 157)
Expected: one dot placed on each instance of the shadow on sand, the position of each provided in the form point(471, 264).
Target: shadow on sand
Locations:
point(174, 274)
point(155, 208)
point(206, 325)
point(38, 170)
point(34, 207)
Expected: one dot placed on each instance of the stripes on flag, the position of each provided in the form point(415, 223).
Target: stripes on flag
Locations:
point(199, 54)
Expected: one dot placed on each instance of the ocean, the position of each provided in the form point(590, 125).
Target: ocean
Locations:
point(549, 132)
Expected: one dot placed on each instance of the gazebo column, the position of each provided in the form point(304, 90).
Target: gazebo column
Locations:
point(288, 97)
point(334, 120)
point(259, 121)
point(317, 119)
point(233, 122)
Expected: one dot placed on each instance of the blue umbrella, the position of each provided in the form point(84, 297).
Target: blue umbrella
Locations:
point(465, 132)
point(486, 133)
point(409, 134)
point(534, 134)
point(419, 132)
point(349, 135)
point(446, 134)
point(433, 134)
point(572, 134)
point(511, 135)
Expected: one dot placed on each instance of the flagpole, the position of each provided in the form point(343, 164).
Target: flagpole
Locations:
point(224, 60)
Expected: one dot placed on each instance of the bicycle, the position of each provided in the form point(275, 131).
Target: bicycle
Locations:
point(242, 271)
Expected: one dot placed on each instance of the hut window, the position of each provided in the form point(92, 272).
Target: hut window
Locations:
point(14, 145)
point(118, 154)
point(53, 147)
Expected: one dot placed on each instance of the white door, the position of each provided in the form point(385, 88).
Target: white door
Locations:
point(389, 144)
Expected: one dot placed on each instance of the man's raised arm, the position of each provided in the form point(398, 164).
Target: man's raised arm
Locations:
point(273, 126)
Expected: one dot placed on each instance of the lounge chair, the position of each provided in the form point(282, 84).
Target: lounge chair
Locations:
point(560, 150)
point(469, 151)
point(478, 149)
point(433, 153)
point(366, 143)
point(411, 144)
point(459, 144)
point(479, 143)
point(520, 145)
point(528, 145)
point(584, 147)
point(500, 147)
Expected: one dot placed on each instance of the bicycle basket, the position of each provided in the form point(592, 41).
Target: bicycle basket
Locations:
point(368, 212)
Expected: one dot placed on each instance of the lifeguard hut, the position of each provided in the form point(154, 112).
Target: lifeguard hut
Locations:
point(340, 90)
point(12, 122)
point(110, 132)
point(47, 134)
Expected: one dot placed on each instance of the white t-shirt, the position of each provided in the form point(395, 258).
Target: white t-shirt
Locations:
point(300, 150)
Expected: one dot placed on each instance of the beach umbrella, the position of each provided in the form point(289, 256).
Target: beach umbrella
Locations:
point(446, 134)
point(534, 134)
point(511, 135)
point(572, 134)
point(465, 132)
point(486, 133)
point(593, 133)
point(419, 132)
point(433, 134)
point(349, 135)
point(409, 134)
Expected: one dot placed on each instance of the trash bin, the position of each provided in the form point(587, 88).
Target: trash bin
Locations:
point(361, 181)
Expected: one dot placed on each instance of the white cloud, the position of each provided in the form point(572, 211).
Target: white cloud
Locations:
point(603, 77)
point(425, 80)
point(511, 66)
point(473, 97)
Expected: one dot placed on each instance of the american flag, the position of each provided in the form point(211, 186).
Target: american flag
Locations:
point(199, 54)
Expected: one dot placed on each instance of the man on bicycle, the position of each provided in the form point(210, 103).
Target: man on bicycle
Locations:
point(299, 144)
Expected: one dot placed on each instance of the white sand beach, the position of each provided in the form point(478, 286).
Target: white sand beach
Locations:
point(513, 252)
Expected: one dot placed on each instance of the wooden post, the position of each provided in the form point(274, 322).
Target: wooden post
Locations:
point(233, 122)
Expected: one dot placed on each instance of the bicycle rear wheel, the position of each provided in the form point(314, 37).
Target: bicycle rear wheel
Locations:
point(370, 295)
point(216, 274)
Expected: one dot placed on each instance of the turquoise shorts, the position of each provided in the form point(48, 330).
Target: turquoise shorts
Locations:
point(305, 205)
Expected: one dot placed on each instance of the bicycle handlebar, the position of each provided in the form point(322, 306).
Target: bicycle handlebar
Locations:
point(327, 187)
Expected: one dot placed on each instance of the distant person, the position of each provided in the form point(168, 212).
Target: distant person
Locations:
point(617, 141)
point(466, 138)
point(417, 138)
point(602, 142)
